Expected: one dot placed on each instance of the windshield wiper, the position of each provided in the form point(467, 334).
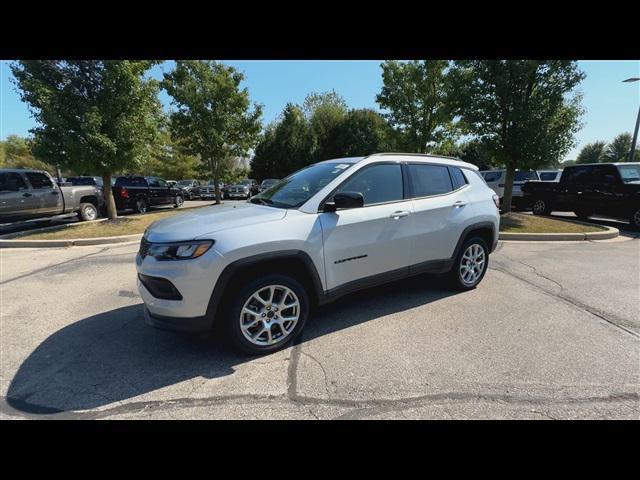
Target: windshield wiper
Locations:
point(264, 201)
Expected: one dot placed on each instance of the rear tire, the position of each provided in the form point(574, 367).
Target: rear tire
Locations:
point(179, 202)
point(470, 264)
point(635, 219)
point(141, 206)
point(87, 212)
point(541, 207)
point(237, 322)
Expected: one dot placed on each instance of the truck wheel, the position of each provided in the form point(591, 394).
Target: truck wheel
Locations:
point(87, 212)
point(541, 207)
point(635, 219)
point(179, 202)
point(470, 265)
point(141, 206)
point(583, 214)
point(266, 314)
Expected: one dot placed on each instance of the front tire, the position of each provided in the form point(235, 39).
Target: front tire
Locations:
point(266, 314)
point(470, 264)
point(87, 212)
point(541, 207)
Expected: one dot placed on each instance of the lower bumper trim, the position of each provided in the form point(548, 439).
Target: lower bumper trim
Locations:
point(178, 324)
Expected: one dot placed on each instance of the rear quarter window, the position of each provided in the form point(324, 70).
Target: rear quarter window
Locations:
point(131, 182)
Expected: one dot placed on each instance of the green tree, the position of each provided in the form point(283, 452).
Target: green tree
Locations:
point(324, 112)
point(618, 149)
point(525, 111)
point(285, 147)
point(213, 115)
point(18, 153)
point(361, 132)
point(591, 153)
point(414, 94)
point(97, 116)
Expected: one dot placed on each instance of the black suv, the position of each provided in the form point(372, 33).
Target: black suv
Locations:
point(609, 189)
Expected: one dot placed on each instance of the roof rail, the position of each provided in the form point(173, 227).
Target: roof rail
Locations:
point(414, 155)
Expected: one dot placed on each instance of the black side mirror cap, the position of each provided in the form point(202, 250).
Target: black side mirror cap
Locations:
point(344, 200)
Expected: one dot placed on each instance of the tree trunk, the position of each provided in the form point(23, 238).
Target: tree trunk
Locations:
point(107, 191)
point(216, 177)
point(508, 189)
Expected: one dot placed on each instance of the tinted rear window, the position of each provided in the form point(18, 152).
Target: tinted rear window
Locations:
point(521, 176)
point(429, 180)
point(459, 180)
point(84, 181)
point(547, 176)
point(131, 181)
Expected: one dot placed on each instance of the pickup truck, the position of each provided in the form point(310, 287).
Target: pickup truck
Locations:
point(609, 189)
point(27, 194)
point(140, 193)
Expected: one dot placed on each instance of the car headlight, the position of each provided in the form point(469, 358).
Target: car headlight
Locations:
point(179, 250)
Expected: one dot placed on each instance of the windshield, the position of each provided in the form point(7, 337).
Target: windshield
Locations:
point(185, 182)
point(299, 187)
point(269, 182)
point(521, 176)
point(629, 173)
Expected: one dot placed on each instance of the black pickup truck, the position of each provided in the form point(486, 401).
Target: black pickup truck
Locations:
point(140, 193)
point(609, 189)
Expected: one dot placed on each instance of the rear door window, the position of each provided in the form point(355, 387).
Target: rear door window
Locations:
point(11, 182)
point(427, 180)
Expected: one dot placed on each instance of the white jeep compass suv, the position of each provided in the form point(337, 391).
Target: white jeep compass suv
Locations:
point(256, 269)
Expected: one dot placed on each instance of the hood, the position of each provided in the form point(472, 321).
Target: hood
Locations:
point(205, 221)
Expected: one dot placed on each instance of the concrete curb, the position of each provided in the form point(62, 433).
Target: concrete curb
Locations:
point(11, 240)
point(76, 242)
point(610, 232)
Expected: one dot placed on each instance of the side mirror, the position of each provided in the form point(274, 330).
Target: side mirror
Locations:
point(344, 200)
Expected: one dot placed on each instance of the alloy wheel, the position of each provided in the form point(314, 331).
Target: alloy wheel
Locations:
point(472, 264)
point(539, 207)
point(270, 315)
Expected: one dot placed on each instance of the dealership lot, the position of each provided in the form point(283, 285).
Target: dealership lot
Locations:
point(552, 332)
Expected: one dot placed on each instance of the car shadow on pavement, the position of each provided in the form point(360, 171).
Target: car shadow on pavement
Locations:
point(114, 356)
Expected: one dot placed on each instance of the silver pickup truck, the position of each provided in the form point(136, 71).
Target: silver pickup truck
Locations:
point(26, 194)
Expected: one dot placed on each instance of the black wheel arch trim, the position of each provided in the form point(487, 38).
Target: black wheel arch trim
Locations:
point(234, 267)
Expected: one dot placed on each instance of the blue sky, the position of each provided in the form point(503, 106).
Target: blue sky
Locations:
point(611, 106)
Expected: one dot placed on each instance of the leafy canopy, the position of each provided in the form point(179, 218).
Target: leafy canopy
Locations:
point(95, 116)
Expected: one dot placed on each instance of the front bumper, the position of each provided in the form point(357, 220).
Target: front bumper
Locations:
point(193, 279)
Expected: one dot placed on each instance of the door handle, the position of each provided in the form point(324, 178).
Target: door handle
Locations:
point(399, 214)
point(459, 204)
point(26, 195)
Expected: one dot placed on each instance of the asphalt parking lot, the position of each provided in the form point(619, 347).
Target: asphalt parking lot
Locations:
point(553, 332)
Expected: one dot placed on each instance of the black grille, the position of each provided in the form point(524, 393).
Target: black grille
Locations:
point(144, 248)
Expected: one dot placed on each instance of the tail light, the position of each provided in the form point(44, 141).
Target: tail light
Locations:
point(124, 193)
point(496, 200)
